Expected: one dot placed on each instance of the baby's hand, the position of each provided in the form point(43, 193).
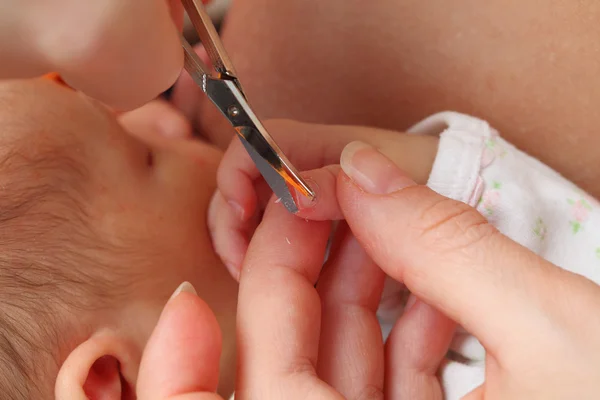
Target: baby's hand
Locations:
point(242, 194)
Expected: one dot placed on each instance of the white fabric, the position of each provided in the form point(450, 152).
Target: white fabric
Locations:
point(523, 198)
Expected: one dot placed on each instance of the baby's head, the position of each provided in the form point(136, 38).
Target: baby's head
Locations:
point(96, 231)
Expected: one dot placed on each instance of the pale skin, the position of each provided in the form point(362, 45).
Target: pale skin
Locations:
point(149, 231)
point(242, 194)
point(538, 347)
point(319, 76)
point(529, 69)
point(466, 236)
point(94, 46)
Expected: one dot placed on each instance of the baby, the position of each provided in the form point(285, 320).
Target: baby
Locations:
point(529, 70)
point(97, 230)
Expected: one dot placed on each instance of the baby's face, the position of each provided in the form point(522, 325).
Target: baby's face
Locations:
point(144, 209)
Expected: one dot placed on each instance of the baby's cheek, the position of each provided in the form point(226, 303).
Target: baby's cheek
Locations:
point(195, 182)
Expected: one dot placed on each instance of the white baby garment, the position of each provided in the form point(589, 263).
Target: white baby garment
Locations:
point(526, 200)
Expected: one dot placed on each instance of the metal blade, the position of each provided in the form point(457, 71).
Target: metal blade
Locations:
point(279, 173)
point(277, 184)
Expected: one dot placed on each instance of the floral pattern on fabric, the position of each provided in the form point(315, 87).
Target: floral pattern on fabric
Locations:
point(494, 146)
point(580, 213)
point(491, 198)
point(525, 200)
point(540, 229)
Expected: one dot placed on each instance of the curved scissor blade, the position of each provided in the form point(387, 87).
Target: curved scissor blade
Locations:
point(279, 173)
point(278, 185)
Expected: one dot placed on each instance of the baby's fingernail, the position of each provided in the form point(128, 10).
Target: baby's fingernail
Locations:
point(185, 287)
point(371, 170)
point(239, 210)
point(305, 202)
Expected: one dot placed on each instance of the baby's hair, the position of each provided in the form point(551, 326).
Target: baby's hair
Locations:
point(56, 266)
point(44, 243)
point(39, 207)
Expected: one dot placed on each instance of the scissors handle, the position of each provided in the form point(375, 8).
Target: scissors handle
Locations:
point(209, 36)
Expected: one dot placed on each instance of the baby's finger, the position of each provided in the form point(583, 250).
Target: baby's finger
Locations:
point(279, 312)
point(351, 347)
point(310, 146)
point(307, 146)
point(324, 207)
point(181, 359)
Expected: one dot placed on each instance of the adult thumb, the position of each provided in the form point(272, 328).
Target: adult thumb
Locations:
point(181, 358)
point(445, 252)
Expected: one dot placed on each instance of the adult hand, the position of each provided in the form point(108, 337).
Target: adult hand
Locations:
point(122, 52)
point(294, 341)
point(181, 359)
point(242, 196)
point(538, 323)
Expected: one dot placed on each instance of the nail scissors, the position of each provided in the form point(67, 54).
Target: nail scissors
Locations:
point(223, 88)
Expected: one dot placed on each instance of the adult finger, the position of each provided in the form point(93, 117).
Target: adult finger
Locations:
point(414, 351)
point(351, 345)
point(448, 255)
point(279, 312)
point(181, 359)
point(123, 53)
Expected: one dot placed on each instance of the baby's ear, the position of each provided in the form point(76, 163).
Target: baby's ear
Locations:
point(103, 367)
